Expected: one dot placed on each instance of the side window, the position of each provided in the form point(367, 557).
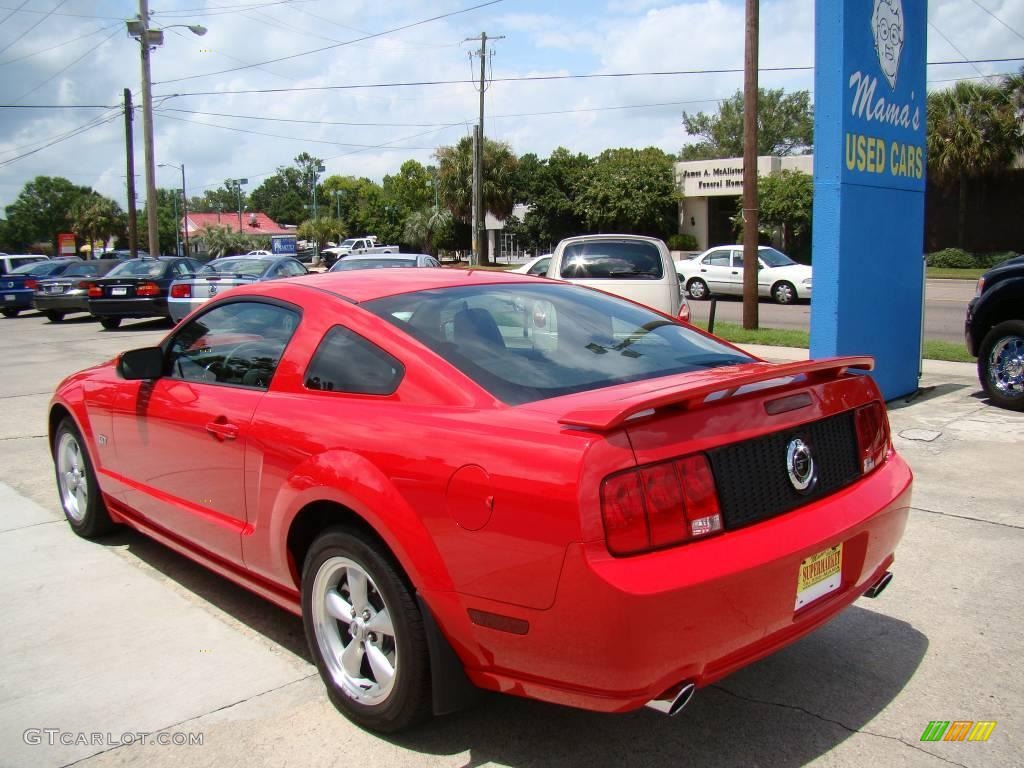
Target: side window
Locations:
point(346, 362)
point(292, 268)
point(540, 268)
point(718, 259)
point(182, 268)
point(238, 344)
point(737, 259)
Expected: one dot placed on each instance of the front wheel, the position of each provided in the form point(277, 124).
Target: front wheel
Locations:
point(110, 323)
point(365, 632)
point(10, 312)
point(76, 483)
point(784, 293)
point(1001, 364)
point(697, 289)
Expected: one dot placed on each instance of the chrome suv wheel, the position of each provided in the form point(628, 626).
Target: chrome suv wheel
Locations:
point(1001, 364)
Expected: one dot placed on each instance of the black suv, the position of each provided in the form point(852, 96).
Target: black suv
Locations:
point(994, 330)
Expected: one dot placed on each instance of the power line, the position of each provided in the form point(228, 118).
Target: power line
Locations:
point(310, 122)
point(541, 78)
point(54, 47)
point(64, 69)
point(222, 10)
point(337, 45)
point(953, 46)
point(28, 31)
point(13, 11)
point(83, 129)
point(21, 9)
point(986, 10)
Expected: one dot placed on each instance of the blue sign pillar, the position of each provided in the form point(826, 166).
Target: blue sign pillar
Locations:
point(870, 110)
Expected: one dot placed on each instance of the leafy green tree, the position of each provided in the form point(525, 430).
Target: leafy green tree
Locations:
point(168, 220)
point(320, 230)
point(972, 133)
point(363, 207)
point(630, 191)
point(785, 201)
point(551, 188)
point(785, 126)
point(455, 181)
point(281, 196)
point(224, 199)
point(95, 217)
point(42, 210)
point(222, 240)
point(411, 189)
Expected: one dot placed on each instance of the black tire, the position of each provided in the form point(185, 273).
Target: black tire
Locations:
point(110, 323)
point(784, 292)
point(54, 316)
point(1004, 384)
point(697, 289)
point(10, 312)
point(88, 516)
point(408, 701)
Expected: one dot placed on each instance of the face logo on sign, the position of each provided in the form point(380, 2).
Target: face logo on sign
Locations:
point(887, 28)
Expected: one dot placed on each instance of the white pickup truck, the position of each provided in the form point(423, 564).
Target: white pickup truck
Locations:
point(638, 268)
point(360, 245)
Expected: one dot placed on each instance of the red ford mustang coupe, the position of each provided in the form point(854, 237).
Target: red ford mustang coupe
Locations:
point(471, 480)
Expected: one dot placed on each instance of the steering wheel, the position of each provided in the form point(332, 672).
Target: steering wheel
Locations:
point(270, 348)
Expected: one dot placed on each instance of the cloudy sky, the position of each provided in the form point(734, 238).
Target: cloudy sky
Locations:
point(76, 52)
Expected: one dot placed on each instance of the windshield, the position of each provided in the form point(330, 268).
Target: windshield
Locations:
point(347, 264)
point(530, 342)
point(773, 258)
point(250, 267)
point(139, 268)
point(348, 243)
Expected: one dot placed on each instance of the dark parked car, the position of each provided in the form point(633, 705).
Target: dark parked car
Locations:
point(18, 287)
point(137, 288)
point(58, 296)
point(217, 276)
point(994, 331)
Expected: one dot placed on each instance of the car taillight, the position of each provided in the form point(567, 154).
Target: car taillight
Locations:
point(660, 505)
point(95, 292)
point(32, 284)
point(183, 291)
point(872, 436)
point(980, 286)
point(84, 285)
point(147, 289)
point(684, 312)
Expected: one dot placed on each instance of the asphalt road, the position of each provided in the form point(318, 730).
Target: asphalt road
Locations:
point(104, 640)
point(945, 307)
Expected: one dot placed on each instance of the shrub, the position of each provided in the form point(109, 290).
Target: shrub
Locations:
point(682, 243)
point(952, 258)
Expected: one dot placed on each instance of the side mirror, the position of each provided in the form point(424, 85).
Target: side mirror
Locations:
point(145, 363)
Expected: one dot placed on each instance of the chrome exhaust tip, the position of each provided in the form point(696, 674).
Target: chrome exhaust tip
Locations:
point(879, 586)
point(673, 704)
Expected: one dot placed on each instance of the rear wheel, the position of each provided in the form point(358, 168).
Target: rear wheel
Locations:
point(697, 289)
point(110, 323)
point(1001, 364)
point(10, 312)
point(54, 316)
point(366, 633)
point(76, 483)
point(784, 293)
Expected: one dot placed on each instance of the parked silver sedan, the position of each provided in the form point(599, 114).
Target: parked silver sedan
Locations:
point(217, 276)
point(384, 261)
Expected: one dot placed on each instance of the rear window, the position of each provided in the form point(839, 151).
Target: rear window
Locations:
point(350, 263)
point(531, 342)
point(38, 268)
point(249, 267)
point(139, 268)
point(612, 260)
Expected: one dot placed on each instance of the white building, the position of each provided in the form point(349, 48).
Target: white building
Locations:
point(710, 189)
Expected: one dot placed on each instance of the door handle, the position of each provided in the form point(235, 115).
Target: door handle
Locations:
point(703, 270)
point(735, 272)
point(223, 429)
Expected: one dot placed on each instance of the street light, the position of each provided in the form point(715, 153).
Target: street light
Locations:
point(316, 170)
point(237, 184)
point(184, 199)
point(337, 195)
point(151, 38)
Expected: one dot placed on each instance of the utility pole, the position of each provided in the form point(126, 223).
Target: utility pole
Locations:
point(750, 205)
point(147, 132)
point(479, 231)
point(474, 257)
point(129, 149)
point(184, 208)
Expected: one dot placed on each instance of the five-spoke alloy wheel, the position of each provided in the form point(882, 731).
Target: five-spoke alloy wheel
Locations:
point(76, 482)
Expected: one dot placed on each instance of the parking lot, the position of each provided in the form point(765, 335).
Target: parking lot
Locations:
point(123, 637)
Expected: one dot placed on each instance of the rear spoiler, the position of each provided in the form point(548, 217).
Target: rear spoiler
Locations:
point(689, 389)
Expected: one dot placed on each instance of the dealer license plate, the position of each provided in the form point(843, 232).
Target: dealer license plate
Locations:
point(819, 574)
point(8, 297)
point(118, 291)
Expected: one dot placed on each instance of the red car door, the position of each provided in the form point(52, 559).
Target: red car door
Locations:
point(181, 439)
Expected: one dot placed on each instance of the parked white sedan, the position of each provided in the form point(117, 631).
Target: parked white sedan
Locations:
point(538, 266)
point(720, 270)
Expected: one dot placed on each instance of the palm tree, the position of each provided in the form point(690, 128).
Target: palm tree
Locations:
point(222, 241)
point(320, 230)
point(422, 227)
point(455, 181)
point(94, 216)
point(972, 133)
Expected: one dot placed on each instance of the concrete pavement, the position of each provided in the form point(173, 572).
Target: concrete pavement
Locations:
point(124, 636)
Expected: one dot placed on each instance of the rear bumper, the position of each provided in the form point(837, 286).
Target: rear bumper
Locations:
point(622, 631)
point(16, 298)
point(144, 307)
point(179, 308)
point(61, 303)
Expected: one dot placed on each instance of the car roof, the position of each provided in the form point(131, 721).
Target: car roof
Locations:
point(367, 284)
